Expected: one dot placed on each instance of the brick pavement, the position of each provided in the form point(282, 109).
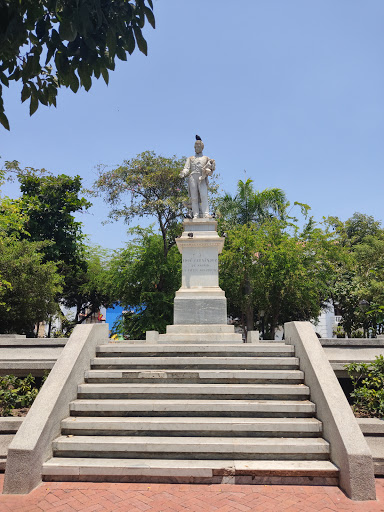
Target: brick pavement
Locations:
point(107, 497)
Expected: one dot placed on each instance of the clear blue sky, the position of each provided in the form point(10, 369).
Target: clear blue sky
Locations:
point(290, 91)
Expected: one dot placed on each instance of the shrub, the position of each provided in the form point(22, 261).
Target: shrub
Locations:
point(16, 393)
point(368, 387)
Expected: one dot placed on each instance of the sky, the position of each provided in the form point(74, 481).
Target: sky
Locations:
point(287, 93)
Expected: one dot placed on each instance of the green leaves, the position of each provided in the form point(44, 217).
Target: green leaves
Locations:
point(16, 393)
point(150, 16)
point(4, 80)
point(67, 30)
point(25, 93)
point(267, 264)
point(141, 42)
point(130, 41)
point(74, 37)
point(4, 120)
point(34, 103)
point(149, 300)
point(368, 387)
point(105, 74)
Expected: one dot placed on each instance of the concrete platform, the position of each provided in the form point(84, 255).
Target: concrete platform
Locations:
point(190, 471)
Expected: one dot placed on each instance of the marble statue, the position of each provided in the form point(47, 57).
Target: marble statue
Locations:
point(197, 168)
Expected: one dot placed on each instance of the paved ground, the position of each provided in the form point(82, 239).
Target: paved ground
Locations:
point(100, 497)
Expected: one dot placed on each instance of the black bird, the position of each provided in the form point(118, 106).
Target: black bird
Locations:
point(198, 137)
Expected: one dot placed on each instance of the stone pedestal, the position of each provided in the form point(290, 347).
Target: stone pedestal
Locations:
point(200, 300)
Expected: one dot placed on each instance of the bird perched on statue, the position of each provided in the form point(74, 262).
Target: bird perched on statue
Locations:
point(198, 137)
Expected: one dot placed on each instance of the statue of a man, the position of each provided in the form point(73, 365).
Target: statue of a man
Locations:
point(198, 168)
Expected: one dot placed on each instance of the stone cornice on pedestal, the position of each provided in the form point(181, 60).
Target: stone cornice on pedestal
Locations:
point(204, 235)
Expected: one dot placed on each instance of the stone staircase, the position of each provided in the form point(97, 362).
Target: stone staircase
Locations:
point(192, 413)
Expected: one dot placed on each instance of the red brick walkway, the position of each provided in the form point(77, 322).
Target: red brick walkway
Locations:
point(106, 497)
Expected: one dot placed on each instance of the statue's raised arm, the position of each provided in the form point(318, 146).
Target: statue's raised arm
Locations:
point(197, 168)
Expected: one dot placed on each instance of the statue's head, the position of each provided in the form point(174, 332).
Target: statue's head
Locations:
point(199, 145)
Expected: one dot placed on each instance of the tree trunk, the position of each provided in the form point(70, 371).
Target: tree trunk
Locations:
point(249, 307)
point(164, 235)
point(249, 316)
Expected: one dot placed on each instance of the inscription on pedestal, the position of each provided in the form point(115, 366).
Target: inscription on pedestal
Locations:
point(200, 267)
point(199, 264)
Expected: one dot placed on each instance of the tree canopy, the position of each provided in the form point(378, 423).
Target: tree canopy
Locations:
point(145, 280)
point(148, 185)
point(44, 216)
point(358, 291)
point(51, 44)
point(250, 206)
point(31, 296)
point(276, 273)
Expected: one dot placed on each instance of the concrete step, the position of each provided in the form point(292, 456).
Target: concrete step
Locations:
point(242, 350)
point(203, 338)
point(200, 329)
point(200, 448)
point(196, 376)
point(184, 426)
point(196, 408)
point(5, 441)
point(194, 391)
point(238, 363)
point(298, 472)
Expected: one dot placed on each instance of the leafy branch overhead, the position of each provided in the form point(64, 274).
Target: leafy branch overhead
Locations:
point(51, 44)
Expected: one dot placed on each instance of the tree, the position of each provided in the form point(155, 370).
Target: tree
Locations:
point(96, 288)
point(360, 276)
point(12, 221)
point(148, 185)
point(248, 208)
point(355, 229)
point(370, 280)
point(294, 273)
point(34, 285)
point(49, 203)
point(145, 280)
point(275, 268)
point(51, 44)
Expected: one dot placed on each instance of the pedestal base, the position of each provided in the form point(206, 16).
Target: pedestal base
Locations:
point(200, 306)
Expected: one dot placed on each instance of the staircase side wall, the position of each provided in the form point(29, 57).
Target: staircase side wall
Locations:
point(32, 445)
point(349, 449)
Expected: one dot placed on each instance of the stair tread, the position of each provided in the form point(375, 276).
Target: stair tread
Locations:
point(194, 386)
point(192, 424)
point(214, 389)
point(190, 420)
point(111, 465)
point(202, 359)
point(313, 441)
point(215, 372)
point(172, 401)
point(200, 349)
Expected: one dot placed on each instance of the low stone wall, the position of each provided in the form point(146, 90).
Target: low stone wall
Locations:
point(32, 445)
point(373, 430)
point(20, 356)
point(8, 428)
point(342, 351)
point(349, 450)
